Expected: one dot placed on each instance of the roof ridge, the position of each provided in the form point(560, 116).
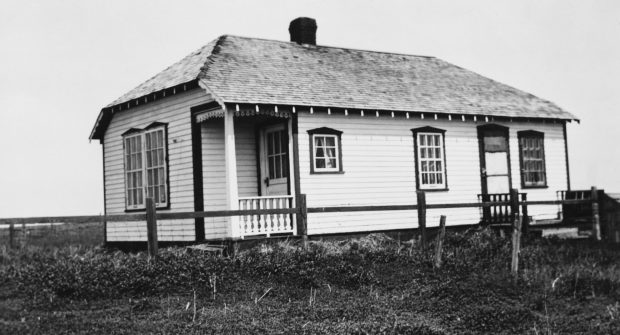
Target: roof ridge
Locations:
point(331, 47)
point(209, 60)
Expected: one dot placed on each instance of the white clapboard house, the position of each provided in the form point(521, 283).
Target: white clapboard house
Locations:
point(246, 123)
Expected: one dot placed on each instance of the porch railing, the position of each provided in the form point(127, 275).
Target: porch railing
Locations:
point(266, 224)
point(497, 214)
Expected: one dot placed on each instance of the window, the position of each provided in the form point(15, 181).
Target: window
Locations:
point(325, 150)
point(430, 158)
point(532, 159)
point(146, 166)
point(277, 154)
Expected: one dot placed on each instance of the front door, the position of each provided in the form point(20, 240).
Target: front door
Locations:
point(494, 171)
point(274, 160)
point(494, 159)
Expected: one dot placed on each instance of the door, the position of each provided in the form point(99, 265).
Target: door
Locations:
point(494, 159)
point(494, 171)
point(274, 160)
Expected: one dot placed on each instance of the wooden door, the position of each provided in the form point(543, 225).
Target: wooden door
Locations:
point(494, 159)
point(274, 160)
point(495, 173)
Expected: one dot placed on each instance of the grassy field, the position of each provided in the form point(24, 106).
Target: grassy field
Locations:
point(50, 237)
point(372, 285)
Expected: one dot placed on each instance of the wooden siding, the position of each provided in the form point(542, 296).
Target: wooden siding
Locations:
point(175, 111)
point(214, 173)
point(378, 160)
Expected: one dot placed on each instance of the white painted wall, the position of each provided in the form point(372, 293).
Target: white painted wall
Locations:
point(378, 162)
point(175, 111)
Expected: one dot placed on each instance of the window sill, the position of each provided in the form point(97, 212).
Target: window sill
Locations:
point(533, 187)
point(434, 189)
point(326, 172)
point(135, 210)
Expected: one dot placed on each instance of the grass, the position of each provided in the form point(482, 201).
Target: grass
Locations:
point(361, 286)
point(55, 236)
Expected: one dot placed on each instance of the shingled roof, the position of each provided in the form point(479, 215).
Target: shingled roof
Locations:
point(258, 71)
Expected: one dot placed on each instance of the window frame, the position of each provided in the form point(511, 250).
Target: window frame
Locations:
point(141, 133)
point(416, 153)
point(327, 133)
point(538, 135)
point(283, 154)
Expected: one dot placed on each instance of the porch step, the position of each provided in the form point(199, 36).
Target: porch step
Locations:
point(207, 248)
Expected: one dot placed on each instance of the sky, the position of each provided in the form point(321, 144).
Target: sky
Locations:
point(62, 61)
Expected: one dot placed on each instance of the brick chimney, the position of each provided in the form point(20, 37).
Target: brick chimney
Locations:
point(303, 30)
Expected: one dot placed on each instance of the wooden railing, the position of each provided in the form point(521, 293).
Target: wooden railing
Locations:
point(499, 213)
point(269, 223)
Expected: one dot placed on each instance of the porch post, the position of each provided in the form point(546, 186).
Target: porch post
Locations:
point(230, 157)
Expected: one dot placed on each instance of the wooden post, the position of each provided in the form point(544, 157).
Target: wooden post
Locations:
point(516, 245)
point(230, 161)
point(12, 235)
point(24, 240)
point(596, 224)
point(525, 216)
point(151, 227)
point(422, 216)
point(439, 242)
point(105, 229)
point(514, 204)
point(302, 218)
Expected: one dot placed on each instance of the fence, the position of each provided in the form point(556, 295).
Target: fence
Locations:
point(517, 205)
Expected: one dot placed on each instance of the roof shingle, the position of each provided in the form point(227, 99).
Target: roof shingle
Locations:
point(250, 70)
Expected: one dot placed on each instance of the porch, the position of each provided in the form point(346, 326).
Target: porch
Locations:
point(244, 157)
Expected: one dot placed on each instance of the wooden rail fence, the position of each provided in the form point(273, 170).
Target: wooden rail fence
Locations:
point(518, 209)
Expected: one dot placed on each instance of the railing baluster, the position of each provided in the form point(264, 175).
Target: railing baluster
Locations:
point(276, 224)
point(242, 218)
point(255, 218)
point(287, 217)
point(281, 223)
point(267, 226)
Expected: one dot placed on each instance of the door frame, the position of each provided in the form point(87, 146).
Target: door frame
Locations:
point(481, 131)
point(261, 161)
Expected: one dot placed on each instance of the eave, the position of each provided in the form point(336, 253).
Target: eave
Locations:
point(106, 113)
point(377, 113)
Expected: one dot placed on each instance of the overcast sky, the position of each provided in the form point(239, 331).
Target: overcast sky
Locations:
point(62, 61)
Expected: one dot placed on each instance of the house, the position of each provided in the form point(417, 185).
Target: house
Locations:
point(245, 123)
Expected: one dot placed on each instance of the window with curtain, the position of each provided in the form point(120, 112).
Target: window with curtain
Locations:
point(430, 158)
point(146, 167)
point(325, 151)
point(532, 159)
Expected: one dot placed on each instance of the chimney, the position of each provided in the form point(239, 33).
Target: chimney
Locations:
point(303, 30)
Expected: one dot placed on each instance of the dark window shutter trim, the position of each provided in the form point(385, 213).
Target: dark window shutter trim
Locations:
point(538, 135)
point(325, 131)
point(429, 129)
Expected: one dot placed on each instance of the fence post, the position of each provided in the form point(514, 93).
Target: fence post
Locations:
point(439, 242)
point(596, 224)
point(151, 227)
point(302, 218)
point(422, 216)
point(514, 204)
point(24, 240)
point(12, 235)
point(516, 246)
point(525, 216)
